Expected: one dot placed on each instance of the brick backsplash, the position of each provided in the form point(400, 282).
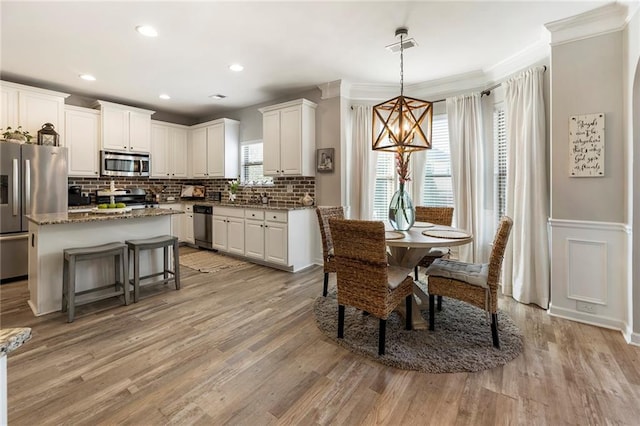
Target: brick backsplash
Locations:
point(171, 188)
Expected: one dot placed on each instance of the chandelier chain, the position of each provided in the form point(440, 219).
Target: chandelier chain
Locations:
point(401, 65)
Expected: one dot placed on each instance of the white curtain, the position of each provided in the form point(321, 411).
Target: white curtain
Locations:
point(526, 273)
point(362, 167)
point(418, 164)
point(464, 114)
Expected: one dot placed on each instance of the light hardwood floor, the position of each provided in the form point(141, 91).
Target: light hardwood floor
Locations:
point(241, 347)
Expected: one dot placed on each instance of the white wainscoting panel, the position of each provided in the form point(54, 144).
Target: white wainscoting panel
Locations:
point(587, 281)
point(589, 272)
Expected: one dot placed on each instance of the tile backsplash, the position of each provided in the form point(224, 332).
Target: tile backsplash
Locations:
point(284, 189)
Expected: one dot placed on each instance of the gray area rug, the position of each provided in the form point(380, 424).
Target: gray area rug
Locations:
point(461, 341)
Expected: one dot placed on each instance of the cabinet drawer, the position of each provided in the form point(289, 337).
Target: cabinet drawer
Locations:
point(276, 216)
point(228, 211)
point(254, 214)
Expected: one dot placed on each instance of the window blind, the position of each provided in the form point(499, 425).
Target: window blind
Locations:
point(251, 171)
point(438, 187)
point(385, 185)
point(500, 163)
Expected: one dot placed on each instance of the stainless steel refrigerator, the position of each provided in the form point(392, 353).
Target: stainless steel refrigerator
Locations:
point(33, 179)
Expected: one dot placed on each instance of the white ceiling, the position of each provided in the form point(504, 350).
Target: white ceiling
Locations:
point(285, 47)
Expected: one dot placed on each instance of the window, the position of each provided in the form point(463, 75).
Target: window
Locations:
point(385, 185)
point(438, 187)
point(500, 162)
point(251, 163)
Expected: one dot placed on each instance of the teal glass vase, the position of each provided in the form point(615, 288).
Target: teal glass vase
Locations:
point(402, 215)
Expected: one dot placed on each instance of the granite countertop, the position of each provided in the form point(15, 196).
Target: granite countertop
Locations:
point(12, 338)
point(270, 206)
point(81, 217)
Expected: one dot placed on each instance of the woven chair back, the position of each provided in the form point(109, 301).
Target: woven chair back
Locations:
point(436, 215)
point(324, 214)
point(361, 257)
point(497, 252)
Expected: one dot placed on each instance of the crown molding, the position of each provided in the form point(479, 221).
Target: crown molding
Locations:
point(605, 19)
point(332, 89)
point(532, 54)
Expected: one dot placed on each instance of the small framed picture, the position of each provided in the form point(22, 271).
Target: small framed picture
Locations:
point(324, 159)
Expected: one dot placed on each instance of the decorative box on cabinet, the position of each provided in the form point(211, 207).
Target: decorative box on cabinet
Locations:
point(31, 107)
point(168, 150)
point(82, 127)
point(125, 128)
point(215, 150)
point(289, 136)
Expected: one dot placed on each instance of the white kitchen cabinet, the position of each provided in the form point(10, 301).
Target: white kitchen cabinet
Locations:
point(215, 149)
point(254, 238)
point(82, 126)
point(275, 237)
point(31, 107)
point(187, 230)
point(177, 220)
point(288, 133)
point(168, 150)
point(228, 230)
point(125, 128)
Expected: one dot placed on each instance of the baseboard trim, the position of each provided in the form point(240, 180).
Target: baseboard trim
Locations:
point(598, 321)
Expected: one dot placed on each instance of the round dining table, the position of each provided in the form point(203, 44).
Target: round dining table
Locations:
point(407, 248)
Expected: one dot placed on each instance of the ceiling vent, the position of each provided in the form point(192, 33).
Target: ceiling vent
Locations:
point(407, 44)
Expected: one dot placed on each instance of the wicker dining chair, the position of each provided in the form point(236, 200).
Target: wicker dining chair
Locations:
point(365, 280)
point(476, 284)
point(324, 214)
point(437, 216)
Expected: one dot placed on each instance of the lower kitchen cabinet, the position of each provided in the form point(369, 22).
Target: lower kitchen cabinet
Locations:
point(187, 230)
point(228, 230)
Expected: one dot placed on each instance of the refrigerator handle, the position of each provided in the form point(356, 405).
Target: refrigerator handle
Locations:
point(27, 186)
point(16, 187)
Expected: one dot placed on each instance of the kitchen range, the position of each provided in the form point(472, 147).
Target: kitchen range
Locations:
point(33, 180)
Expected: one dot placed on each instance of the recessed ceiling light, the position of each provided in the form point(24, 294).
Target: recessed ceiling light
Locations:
point(147, 30)
point(218, 96)
point(164, 96)
point(87, 77)
point(236, 67)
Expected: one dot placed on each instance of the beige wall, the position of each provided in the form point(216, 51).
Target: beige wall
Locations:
point(586, 77)
point(632, 130)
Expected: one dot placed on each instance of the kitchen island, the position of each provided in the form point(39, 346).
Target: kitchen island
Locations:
point(50, 234)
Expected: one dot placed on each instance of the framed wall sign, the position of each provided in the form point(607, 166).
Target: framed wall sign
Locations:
point(324, 159)
point(586, 145)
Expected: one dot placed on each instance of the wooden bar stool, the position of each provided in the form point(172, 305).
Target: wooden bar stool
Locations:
point(80, 254)
point(164, 242)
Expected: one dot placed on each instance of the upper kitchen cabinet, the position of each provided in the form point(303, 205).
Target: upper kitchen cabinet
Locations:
point(168, 150)
point(125, 128)
point(289, 136)
point(31, 107)
point(215, 150)
point(82, 126)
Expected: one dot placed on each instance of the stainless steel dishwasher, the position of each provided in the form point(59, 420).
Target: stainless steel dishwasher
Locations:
point(203, 226)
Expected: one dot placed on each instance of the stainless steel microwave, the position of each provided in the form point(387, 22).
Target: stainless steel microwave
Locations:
point(123, 164)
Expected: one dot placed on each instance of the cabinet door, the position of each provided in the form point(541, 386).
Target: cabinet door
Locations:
point(139, 132)
point(187, 231)
point(199, 152)
point(271, 140)
point(215, 150)
point(275, 242)
point(178, 153)
point(291, 140)
point(35, 109)
point(220, 233)
point(254, 238)
point(235, 235)
point(115, 129)
point(159, 151)
point(82, 129)
point(9, 107)
point(176, 221)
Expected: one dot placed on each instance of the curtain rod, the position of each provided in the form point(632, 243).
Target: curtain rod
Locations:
point(486, 92)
